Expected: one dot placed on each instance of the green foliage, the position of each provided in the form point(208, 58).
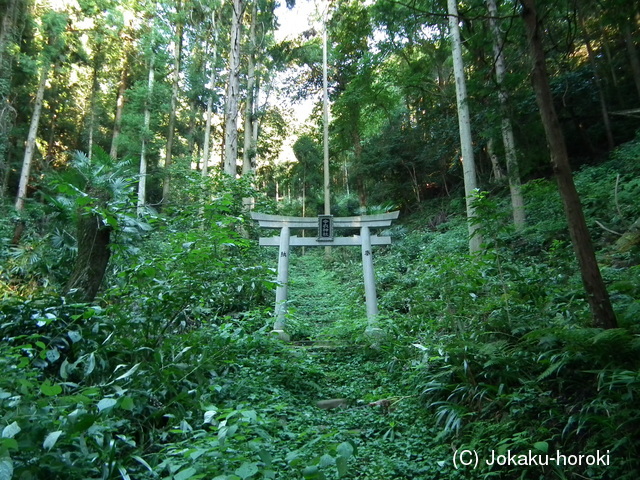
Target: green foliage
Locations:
point(608, 192)
point(500, 347)
point(196, 267)
point(306, 176)
point(102, 387)
point(76, 396)
point(97, 187)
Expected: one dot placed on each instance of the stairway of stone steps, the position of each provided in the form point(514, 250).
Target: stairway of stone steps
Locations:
point(317, 299)
point(347, 391)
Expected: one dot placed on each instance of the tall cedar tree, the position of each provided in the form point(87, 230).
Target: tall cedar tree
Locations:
point(597, 296)
point(233, 92)
point(175, 90)
point(464, 124)
point(508, 139)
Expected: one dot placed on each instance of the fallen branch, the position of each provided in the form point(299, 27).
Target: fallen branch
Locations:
point(608, 229)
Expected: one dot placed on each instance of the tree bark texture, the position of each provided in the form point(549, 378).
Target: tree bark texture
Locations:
point(92, 260)
point(597, 295)
point(464, 125)
point(95, 86)
point(192, 144)
point(31, 138)
point(233, 92)
point(325, 125)
point(122, 88)
point(207, 136)
point(175, 89)
point(508, 139)
point(255, 125)
point(142, 180)
point(498, 174)
point(248, 150)
point(206, 155)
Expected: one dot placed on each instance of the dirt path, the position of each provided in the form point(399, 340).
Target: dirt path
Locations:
point(347, 392)
point(319, 303)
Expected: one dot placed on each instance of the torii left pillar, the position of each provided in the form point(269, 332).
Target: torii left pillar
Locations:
point(283, 281)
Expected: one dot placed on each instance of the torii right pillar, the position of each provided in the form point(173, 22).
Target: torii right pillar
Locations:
point(369, 278)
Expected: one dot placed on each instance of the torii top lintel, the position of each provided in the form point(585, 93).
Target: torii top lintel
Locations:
point(278, 221)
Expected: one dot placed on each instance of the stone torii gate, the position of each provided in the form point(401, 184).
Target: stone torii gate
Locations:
point(325, 224)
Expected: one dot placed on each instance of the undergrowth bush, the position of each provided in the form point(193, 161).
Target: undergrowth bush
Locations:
point(500, 344)
point(87, 394)
point(172, 372)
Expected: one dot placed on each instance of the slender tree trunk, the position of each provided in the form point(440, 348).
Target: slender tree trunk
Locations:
point(4, 173)
point(415, 184)
point(54, 103)
point(363, 195)
point(29, 151)
point(346, 177)
point(31, 138)
point(304, 193)
point(597, 295)
point(257, 109)
point(206, 155)
point(357, 156)
point(233, 92)
point(495, 165)
point(92, 99)
point(633, 56)
point(207, 133)
point(248, 148)
point(142, 181)
point(8, 35)
point(598, 81)
point(513, 169)
point(325, 125)
point(122, 88)
point(175, 88)
point(191, 131)
point(325, 130)
point(255, 124)
point(611, 67)
point(464, 124)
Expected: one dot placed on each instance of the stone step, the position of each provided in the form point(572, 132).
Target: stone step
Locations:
point(314, 345)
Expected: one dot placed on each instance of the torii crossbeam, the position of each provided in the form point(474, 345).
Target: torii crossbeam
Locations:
point(325, 224)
